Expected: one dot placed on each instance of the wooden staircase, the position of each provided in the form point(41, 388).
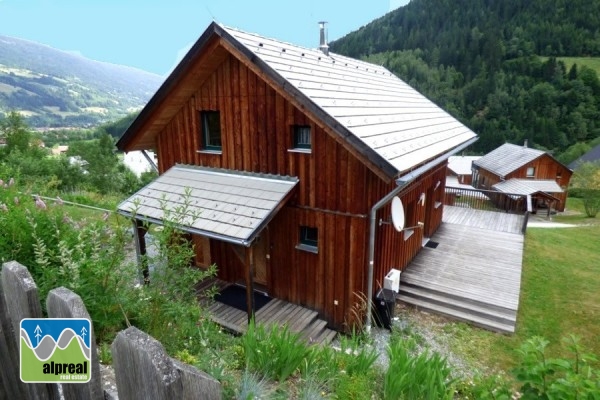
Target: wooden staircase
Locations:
point(485, 315)
point(298, 319)
point(276, 312)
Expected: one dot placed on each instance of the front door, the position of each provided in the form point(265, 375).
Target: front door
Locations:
point(261, 258)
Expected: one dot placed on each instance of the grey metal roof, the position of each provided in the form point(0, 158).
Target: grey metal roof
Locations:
point(461, 165)
point(527, 186)
point(507, 158)
point(228, 205)
point(391, 118)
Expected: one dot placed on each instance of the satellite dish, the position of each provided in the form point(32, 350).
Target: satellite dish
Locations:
point(397, 214)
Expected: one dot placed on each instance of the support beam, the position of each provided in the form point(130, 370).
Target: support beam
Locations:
point(139, 235)
point(250, 282)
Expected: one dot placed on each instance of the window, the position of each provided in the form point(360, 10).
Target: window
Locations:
point(530, 172)
point(211, 130)
point(309, 239)
point(301, 137)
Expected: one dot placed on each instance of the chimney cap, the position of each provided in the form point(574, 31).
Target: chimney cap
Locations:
point(323, 39)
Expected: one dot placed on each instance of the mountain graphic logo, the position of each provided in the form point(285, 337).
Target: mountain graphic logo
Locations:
point(55, 350)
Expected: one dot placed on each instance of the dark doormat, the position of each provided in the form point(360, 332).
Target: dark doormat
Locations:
point(431, 244)
point(235, 296)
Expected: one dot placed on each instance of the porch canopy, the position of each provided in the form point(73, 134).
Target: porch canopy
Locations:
point(232, 206)
point(532, 188)
point(528, 187)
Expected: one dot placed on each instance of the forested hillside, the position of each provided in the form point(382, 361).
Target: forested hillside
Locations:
point(493, 65)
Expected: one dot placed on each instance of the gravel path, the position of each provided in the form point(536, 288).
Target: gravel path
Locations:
point(428, 331)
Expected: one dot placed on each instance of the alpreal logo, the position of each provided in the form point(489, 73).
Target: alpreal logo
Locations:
point(55, 350)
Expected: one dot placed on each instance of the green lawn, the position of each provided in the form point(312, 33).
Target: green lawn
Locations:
point(560, 295)
point(591, 62)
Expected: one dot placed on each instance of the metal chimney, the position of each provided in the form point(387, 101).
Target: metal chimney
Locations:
point(323, 39)
point(525, 144)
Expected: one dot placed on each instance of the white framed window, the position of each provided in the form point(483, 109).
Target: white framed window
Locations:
point(530, 172)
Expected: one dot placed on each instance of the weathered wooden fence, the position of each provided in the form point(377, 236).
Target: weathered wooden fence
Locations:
point(143, 370)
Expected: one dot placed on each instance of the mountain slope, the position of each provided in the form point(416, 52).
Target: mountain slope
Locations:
point(59, 89)
point(493, 64)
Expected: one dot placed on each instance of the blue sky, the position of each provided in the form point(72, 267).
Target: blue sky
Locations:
point(154, 34)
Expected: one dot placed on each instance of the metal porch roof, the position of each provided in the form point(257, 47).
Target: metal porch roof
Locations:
point(527, 186)
point(232, 206)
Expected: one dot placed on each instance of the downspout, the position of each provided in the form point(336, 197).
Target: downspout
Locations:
point(402, 182)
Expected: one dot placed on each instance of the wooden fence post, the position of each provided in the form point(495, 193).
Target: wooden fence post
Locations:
point(63, 303)
point(21, 300)
point(144, 371)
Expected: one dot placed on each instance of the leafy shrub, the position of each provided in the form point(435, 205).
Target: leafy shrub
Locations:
point(557, 378)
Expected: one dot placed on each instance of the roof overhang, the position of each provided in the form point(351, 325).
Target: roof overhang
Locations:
point(523, 187)
point(230, 206)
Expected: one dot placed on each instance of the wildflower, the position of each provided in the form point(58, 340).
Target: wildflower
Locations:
point(11, 182)
point(16, 199)
point(39, 203)
point(3, 207)
point(59, 201)
point(1, 182)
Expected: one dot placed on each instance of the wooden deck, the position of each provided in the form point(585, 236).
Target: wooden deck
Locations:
point(276, 312)
point(489, 220)
point(474, 274)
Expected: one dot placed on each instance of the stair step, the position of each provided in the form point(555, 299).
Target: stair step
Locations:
point(477, 308)
point(326, 337)
point(460, 315)
point(313, 330)
point(459, 294)
point(303, 319)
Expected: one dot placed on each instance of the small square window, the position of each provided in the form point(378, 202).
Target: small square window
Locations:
point(211, 130)
point(309, 239)
point(530, 172)
point(302, 139)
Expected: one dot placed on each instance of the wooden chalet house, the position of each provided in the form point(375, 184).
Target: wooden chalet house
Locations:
point(291, 157)
point(521, 170)
point(460, 169)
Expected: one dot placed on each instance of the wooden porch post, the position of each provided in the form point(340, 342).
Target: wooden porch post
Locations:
point(139, 234)
point(250, 282)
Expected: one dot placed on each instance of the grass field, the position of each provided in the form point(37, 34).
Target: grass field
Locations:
point(559, 295)
point(591, 62)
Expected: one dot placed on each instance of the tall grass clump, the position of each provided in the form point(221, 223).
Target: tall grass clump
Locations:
point(422, 376)
point(275, 353)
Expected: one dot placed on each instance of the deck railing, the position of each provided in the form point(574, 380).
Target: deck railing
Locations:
point(489, 200)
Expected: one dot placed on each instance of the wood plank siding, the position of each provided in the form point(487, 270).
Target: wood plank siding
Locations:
point(334, 195)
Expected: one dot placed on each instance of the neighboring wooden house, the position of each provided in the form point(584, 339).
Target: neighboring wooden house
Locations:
point(511, 166)
point(293, 156)
point(460, 167)
point(591, 156)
